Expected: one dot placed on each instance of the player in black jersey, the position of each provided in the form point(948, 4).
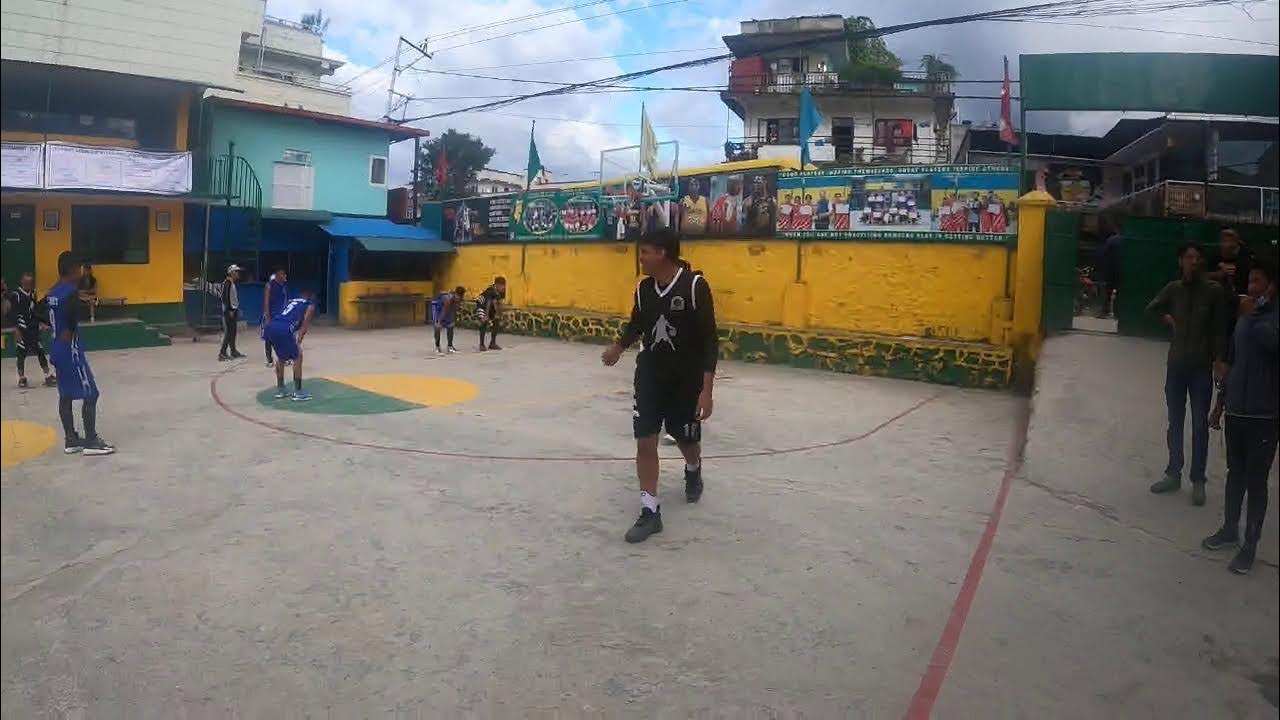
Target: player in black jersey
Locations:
point(28, 314)
point(675, 320)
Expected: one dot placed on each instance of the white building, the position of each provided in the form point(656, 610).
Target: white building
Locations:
point(189, 42)
point(282, 62)
point(900, 123)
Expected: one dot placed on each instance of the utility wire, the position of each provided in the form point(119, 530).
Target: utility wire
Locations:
point(581, 59)
point(1157, 31)
point(1047, 10)
point(557, 24)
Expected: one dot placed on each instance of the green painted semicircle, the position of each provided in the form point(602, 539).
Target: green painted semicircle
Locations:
point(332, 398)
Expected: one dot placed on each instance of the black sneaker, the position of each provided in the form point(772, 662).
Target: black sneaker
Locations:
point(1169, 483)
point(1197, 494)
point(223, 358)
point(1242, 563)
point(693, 485)
point(50, 381)
point(73, 445)
point(494, 346)
point(1224, 538)
point(22, 382)
point(482, 347)
point(98, 446)
point(236, 354)
point(647, 524)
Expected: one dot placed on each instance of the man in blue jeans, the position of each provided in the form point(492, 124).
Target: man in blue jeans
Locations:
point(1194, 308)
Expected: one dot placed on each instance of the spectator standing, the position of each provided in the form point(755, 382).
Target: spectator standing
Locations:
point(87, 290)
point(230, 300)
point(1108, 271)
point(1194, 309)
point(1230, 269)
point(274, 295)
point(1251, 399)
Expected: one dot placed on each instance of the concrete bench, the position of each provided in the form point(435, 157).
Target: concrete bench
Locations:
point(376, 310)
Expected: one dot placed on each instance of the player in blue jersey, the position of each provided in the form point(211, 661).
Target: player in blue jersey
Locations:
point(444, 310)
point(285, 333)
point(75, 379)
point(274, 294)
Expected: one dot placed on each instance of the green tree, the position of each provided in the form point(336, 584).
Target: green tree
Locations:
point(316, 22)
point(938, 72)
point(871, 62)
point(465, 156)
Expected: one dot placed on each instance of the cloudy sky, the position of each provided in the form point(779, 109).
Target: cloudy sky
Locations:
point(573, 129)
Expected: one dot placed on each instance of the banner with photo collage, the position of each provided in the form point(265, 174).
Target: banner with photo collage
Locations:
point(481, 219)
point(562, 216)
point(926, 202)
point(737, 204)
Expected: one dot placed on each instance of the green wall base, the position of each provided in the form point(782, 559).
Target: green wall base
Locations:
point(103, 335)
point(910, 358)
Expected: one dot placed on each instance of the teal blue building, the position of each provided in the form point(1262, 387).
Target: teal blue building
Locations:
point(311, 174)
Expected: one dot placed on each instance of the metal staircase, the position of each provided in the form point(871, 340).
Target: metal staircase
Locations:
point(232, 185)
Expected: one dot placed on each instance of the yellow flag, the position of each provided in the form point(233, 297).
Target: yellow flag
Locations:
point(648, 145)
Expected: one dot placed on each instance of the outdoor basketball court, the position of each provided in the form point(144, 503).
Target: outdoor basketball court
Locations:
point(442, 537)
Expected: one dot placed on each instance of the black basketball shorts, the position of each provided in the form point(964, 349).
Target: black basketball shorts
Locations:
point(666, 400)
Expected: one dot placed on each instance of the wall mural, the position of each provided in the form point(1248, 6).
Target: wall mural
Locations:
point(964, 203)
point(927, 202)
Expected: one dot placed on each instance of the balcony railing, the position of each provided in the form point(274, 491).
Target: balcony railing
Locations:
point(841, 150)
point(1210, 201)
point(826, 81)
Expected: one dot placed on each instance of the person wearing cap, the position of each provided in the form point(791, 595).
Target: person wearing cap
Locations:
point(230, 314)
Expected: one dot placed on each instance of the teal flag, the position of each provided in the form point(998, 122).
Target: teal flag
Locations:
point(809, 122)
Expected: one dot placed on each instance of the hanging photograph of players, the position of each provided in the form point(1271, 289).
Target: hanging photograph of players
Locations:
point(924, 202)
point(483, 219)
point(737, 205)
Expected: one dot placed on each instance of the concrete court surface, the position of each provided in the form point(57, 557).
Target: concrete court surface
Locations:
point(328, 566)
point(1098, 588)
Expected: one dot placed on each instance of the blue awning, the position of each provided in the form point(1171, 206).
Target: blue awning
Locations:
point(382, 235)
point(390, 244)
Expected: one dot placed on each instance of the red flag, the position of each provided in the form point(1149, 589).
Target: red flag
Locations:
point(1006, 110)
point(442, 166)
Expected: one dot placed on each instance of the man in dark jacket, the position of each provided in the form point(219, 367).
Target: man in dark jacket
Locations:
point(229, 297)
point(1194, 309)
point(1251, 399)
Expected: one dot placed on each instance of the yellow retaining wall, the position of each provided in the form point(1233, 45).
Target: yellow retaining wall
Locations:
point(350, 312)
point(922, 289)
point(157, 281)
point(940, 290)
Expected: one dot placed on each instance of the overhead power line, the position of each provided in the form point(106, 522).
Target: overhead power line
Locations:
point(558, 24)
point(507, 21)
point(579, 59)
point(1057, 9)
point(1158, 31)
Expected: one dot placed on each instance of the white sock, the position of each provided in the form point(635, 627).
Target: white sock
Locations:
point(649, 501)
point(693, 467)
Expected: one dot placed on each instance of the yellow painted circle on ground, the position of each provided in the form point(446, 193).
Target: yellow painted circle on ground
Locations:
point(21, 441)
point(427, 390)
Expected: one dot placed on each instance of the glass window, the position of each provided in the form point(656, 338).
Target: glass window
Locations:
point(110, 234)
point(377, 170)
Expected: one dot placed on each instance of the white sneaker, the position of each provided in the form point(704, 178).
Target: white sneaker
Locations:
point(439, 351)
point(453, 350)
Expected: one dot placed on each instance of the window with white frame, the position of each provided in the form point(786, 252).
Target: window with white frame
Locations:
point(301, 157)
point(292, 186)
point(377, 170)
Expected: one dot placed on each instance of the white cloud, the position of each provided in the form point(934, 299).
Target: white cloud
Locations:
point(363, 32)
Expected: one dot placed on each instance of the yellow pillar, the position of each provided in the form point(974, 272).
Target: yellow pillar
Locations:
point(1028, 284)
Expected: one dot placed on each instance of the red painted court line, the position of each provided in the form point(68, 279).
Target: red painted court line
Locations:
point(213, 391)
point(922, 702)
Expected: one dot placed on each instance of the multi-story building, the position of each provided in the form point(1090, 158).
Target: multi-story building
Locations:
point(283, 63)
point(101, 111)
point(902, 122)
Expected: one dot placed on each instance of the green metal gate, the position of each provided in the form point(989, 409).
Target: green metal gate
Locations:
point(1061, 236)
